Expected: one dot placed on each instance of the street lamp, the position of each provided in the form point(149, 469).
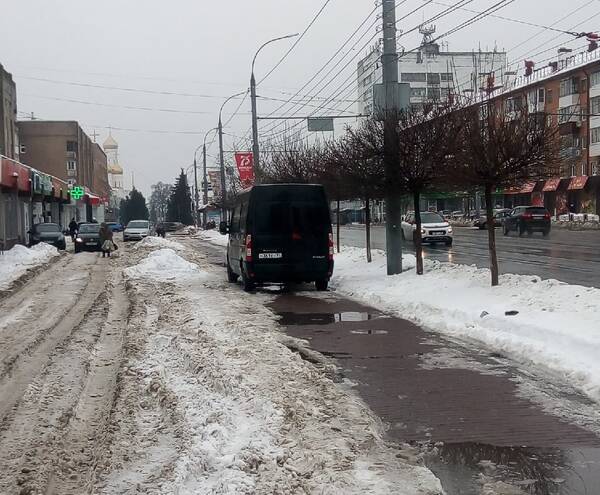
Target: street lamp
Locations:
point(255, 149)
point(221, 159)
point(204, 178)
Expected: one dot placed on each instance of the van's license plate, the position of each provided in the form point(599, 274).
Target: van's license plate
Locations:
point(270, 256)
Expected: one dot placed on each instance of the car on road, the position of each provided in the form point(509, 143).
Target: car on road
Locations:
point(50, 233)
point(88, 237)
point(136, 230)
point(280, 233)
point(528, 219)
point(115, 226)
point(500, 215)
point(433, 228)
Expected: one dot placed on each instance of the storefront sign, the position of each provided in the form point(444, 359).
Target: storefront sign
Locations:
point(551, 185)
point(77, 192)
point(578, 183)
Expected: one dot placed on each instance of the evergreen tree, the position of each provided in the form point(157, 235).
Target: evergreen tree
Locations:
point(133, 207)
point(180, 202)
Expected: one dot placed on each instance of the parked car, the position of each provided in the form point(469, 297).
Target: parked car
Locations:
point(528, 219)
point(499, 216)
point(280, 233)
point(88, 237)
point(115, 226)
point(50, 233)
point(136, 230)
point(433, 228)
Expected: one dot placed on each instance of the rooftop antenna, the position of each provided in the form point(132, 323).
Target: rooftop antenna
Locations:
point(427, 32)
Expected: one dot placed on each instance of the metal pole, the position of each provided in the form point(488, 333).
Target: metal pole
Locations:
point(222, 164)
point(393, 226)
point(255, 147)
point(196, 195)
point(204, 186)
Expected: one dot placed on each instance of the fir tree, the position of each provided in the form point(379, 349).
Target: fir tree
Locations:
point(180, 202)
point(133, 207)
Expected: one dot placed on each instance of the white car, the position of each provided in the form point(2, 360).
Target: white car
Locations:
point(136, 230)
point(433, 228)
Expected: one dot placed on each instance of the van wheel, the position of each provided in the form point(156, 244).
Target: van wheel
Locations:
point(231, 276)
point(321, 285)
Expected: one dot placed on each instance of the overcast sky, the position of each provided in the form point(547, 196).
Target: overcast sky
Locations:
point(203, 50)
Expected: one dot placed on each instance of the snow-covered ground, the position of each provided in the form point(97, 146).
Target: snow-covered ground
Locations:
point(213, 236)
point(15, 262)
point(154, 242)
point(214, 400)
point(557, 325)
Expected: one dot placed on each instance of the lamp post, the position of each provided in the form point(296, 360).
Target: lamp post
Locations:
point(221, 159)
point(255, 147)
point(196, 195)
point(204, 177)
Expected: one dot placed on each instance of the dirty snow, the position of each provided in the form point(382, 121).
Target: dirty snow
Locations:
point(163, 265)
point(15, 262)
point(557, 325)
point(153, 242)
point(213, 400)
point(213, 236)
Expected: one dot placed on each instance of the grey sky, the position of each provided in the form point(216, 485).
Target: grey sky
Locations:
point(205, 48)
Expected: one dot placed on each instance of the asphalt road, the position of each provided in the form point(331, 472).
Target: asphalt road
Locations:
point(569, 256)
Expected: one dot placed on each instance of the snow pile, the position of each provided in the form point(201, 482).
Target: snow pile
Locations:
point(152, 242)
point(557, 325)
point(163, 265)
point(213, 236)
point(15, 262)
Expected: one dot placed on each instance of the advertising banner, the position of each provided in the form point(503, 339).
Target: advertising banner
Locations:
point(245, 166)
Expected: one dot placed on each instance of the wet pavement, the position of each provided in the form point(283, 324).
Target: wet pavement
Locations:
point(569, 256)
point(480, 419)
point(466, 407)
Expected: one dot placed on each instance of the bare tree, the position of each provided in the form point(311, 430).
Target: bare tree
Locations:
point(504, 149)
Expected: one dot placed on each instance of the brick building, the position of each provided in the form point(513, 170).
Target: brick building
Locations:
point(8, 115)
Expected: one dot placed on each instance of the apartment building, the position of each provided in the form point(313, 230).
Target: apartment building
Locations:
point(8, 115)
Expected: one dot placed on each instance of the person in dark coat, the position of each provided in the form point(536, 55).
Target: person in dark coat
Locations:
point(106, 240)
point(73, 229)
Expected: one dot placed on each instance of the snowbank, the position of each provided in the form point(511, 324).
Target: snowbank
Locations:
point(213, 236)
point(15, 262)
point(557, 325)
point(158, 243)
point(163, 265)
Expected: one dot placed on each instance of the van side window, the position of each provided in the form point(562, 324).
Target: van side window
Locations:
point(243, 214)
point(235, 219)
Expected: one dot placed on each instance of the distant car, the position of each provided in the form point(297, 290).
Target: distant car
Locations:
point(50, 233)
point(172, 226)
point(115, 226)
point(136, 230)
point(499, 217)
point(88, 237)
point(528, 219)
point(433, 228)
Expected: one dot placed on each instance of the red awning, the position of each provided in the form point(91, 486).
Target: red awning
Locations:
point(551, 185)
point(93, 200)
point(524, 189)
point(14, 175)
point(578, 183)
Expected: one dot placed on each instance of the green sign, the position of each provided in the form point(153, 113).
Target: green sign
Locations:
point(77, 192)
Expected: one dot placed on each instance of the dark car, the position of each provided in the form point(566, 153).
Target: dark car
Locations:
point(50, 233)
point(88, 237)
point(528, 219)
point(280, 233)
point(115, 226)
point(499, 217)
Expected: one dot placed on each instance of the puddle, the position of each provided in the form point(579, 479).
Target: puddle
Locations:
point(369, 332)
point(289, 318)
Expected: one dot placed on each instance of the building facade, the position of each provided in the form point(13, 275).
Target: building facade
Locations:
point(8, 115)
point(115, 177)
point(434, 74)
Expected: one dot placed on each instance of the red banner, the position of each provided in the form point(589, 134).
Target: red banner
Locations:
point(245, 166)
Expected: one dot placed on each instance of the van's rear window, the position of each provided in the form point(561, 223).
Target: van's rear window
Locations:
point(274, 217)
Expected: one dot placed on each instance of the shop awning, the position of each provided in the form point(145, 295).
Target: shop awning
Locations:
point(578, 183)
point(526, 188)
point(551, 185)
point(93, 199)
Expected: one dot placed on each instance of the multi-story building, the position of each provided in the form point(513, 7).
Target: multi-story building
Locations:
point(62, 149)
point(434, 74)
point(8, 115)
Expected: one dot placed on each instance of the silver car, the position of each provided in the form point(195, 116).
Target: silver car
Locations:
point(433, 228)
point(136, 230)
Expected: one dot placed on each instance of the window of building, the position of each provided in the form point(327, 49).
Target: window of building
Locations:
point(446, 77)
point(569, 87)
point(433, 78)
point(71, 165)
point(595, 106)
point(418, 92)
point(549, 96)
point(541, 95)
point(595, 135)
point(414, 77)
point(433, 93)
point(71, 145)
point(570, 113)
point(595, 79)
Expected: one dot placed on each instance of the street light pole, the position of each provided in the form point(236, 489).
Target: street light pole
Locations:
point(255, 147)
point(196, 195)
point(221, 158)
point(204, 178)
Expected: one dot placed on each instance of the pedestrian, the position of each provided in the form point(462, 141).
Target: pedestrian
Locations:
point(106, 240)
point(160, 231)
point(73, 229)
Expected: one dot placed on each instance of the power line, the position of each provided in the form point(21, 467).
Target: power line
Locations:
point(296, 42)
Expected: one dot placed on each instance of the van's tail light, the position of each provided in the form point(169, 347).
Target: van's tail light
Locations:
point(330, 246)
point(248, 248)
point(547, 216)
point(527, 216)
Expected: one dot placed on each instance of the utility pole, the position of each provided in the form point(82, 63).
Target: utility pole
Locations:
point(204, 186)
point(222, 166)
point(255, 148)
point(196, 195)
point(393, 203)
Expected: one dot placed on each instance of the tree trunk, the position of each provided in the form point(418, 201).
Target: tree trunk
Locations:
point(489, 210)
point(368, 228)
point(417, 233)
point(338, 225)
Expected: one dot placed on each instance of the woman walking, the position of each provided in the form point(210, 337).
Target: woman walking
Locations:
point(106, 240)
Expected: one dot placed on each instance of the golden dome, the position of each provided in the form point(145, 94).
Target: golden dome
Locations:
point(115, 169)
point(110, 143)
